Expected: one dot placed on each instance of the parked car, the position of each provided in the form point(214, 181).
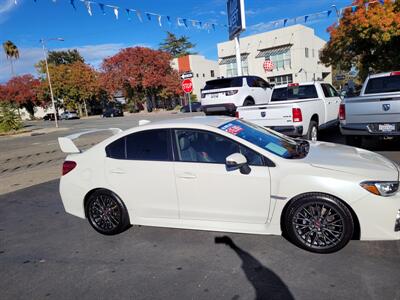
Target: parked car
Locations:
point(375, 113)
point(50, 117)
point(297, 109)
point(196, 107)
point(226, 174)
point(226, 94)
point(113, 112)
point(69, 115)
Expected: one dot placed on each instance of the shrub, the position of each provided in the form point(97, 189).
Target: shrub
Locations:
point(9, 119)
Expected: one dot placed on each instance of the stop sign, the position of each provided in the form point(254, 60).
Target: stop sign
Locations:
point(187, 86)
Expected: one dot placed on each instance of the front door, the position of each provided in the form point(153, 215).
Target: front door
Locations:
point(332, 100)
point(207, 190)
point(140, 170)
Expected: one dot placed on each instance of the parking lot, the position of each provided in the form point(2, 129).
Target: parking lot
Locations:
point(47, 254)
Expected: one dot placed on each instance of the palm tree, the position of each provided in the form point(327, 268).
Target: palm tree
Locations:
point(12, 52)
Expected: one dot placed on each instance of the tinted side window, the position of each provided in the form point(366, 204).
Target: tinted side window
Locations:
point(116, 149)
point(148, 145)
point(252, 81)
point(325, 90)
point(294, 93)
point(208, 147)
point(333, 91)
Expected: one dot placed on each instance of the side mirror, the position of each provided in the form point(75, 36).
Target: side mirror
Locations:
point(237, 161)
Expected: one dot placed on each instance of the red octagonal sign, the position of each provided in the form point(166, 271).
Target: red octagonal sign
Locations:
point(187, 86)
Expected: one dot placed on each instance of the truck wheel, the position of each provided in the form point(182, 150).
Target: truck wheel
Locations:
point(312, 133)
point(248, 102)
point(353, 140)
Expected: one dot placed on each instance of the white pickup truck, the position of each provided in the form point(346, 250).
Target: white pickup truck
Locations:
point(297, 109)
point(375, 113)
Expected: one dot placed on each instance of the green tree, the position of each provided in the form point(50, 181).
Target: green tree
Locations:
point(12, 52)
point(367, 38)
point(9, 119)
point(57, 58)
point(177, 46)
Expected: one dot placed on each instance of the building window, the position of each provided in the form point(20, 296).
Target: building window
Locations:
point(306, 52)
point(197, 74)
point(284, 79)
point(204, 75)
point(212, 73)
point(313, 53)
point(282, 60)
point(231, 69)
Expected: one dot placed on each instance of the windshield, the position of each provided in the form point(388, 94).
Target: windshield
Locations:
point(385, 84)
point(294, 93)
point(223, 83)
point(267, 139)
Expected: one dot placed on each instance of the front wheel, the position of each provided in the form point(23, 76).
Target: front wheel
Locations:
point(248, 102)
point(107, 213)
point(319, 223)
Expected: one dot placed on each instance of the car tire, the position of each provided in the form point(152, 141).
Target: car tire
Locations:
point(248, 102)
point(106, 213)
point(353, 140)
point(318, 223)
point(312, 133)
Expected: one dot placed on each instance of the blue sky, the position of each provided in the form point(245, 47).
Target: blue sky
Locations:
point(99, 36)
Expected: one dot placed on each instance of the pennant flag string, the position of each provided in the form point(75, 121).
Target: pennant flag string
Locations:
point(184, 22)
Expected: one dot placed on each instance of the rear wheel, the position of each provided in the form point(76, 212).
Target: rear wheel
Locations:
point(248, 102)
point(353, 140)
point(319, 223)
point(106, 212)
point(312, 133)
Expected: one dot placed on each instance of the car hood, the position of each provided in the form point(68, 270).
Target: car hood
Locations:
point(351, 160)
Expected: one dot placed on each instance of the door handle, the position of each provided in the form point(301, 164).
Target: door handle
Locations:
point(187, 175)
point(118, 171)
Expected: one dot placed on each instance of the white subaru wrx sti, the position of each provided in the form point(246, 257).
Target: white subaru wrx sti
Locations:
point(225, 174)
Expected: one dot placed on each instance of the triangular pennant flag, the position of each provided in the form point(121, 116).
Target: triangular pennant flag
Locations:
point(128, 12)
point(285, 22)
point(213, 26)
point(101, 5)
point(15, 2)
point(305, 19)
point(185, 22)
point(178, 21)
point(382, 1)
point(329, 13)
point(159, 20)
point(139, 15)
point(148, 16)
point(88, 7)
point(116, 12)
point(193, 23)
point(169, 20)
point(72, 2)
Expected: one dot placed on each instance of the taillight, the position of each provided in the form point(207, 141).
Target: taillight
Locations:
point(230, 93)
point(396, 73)
point(68, 166)
point(296, 115)
point(342, 112)
point(236, 114)
point(292, 84)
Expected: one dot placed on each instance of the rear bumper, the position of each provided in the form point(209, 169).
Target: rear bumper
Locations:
point(366, 129)
point(219, 108)
point(295, 131)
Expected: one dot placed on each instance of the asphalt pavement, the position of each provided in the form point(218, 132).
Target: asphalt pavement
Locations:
point(48, 254)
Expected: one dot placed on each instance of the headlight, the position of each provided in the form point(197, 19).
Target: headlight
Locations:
point(381, 188)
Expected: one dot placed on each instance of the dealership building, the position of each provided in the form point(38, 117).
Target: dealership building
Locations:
point(294, 52)
point(203, 70)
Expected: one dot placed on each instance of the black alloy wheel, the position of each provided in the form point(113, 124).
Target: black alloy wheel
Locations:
point(106, 213)
point(319, 223)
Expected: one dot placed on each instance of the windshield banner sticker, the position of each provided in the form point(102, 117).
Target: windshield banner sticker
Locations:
point(232, 129)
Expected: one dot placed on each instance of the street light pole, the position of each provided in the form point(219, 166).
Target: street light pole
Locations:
point(48, 77)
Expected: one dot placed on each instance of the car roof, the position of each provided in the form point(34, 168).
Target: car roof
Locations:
point(299, 83)
point(213, 121)
point(384, 74)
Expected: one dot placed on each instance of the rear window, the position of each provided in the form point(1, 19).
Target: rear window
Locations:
point(385, 84)
point(223, 83)
point(294, 93)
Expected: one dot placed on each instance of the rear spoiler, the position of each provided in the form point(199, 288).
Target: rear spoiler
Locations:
point(68, 146)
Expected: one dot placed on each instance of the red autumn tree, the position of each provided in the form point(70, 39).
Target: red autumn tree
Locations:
point(139, 72)
point(367, 37)
point(23, 91)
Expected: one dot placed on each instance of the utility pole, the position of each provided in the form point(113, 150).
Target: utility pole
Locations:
point(42, 41)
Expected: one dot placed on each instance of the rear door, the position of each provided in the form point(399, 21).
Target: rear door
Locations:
point(140, 170)
point(258, 88)
point(332, 102)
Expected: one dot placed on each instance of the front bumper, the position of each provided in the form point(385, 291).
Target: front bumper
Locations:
point(367, 129)
point(378, 217)
point(219, 108)
point(294, 131)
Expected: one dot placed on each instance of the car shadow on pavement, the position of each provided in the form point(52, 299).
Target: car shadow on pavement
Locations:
point(266, 283)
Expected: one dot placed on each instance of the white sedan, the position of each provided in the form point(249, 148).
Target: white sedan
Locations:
point(225, 174)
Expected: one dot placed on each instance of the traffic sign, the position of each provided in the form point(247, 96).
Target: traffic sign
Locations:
point(187, 86)
point(187, 75)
